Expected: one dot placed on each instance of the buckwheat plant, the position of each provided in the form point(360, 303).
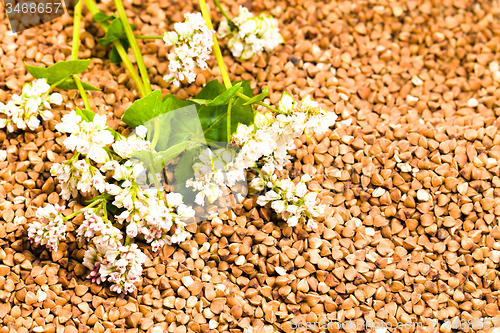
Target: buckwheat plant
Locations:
point(214, 139)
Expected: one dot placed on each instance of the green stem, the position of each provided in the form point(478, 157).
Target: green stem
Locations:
point(92, 7)
point(76, 30)
point(229, 20)
point(148, 37)
point(246, 98)
point(78, 212)
point(127, 241)
point(74, 51)
point(216, 48)
point(229, 119)
point(133, 44)
point(82, 92)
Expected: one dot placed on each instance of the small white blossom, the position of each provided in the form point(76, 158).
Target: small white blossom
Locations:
point(24, 110)
point(49, 228)
point(251, 35)
point(193, 43)
point(88, 138)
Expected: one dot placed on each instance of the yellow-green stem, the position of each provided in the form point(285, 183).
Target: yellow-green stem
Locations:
point(74, 50)
point(148, 37)
point(229, 105)
point(92, 7)
point(216, 48)
point(76, 30)
point(78, 212)
point(229, 20)
point(133, 44)
point(82, 92)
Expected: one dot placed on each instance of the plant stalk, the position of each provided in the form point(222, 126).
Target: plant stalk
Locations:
point(74, 51)
point(229, 20)
point(133, 44)
point(229, 105)
point(76, 30)
point(92, 7)
point(148, 37)
point(216, 48)
point(86, 101)
point(78, 212)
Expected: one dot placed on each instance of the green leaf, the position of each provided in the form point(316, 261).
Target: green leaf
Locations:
point(220, 99)
point(258, 98)
point(185, 125)
point(115, 32)
point(86, 115)
point(159, 130)
point(70, 84)
point(183, 172)
point(101, 17)
point(143, 109)
point(115, 58)
point(60, 71)
point(214, 118)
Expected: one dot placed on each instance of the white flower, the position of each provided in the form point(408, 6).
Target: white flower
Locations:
point(292, 221)
point(49, 228)
point(23, 111)
point(251, 35)
point(192, 42)
point(141, 131)
point(174, 199)
point(286, 103)
point(88, 138)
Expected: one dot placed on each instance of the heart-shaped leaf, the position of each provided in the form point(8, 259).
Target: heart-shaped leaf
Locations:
point(143, 109)
point(258, 98)
point(115, 32)
point(185, 125)
point(60, 71)
point(214, 118)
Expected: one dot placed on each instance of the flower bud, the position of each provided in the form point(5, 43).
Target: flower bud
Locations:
point(287, 103)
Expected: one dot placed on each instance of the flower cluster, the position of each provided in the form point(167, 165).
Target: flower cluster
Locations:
point(293, 202)
point(106, 257)
point(211, 174)
point(88, 138)
point(266, 145)
point(251, 35)
point(78, 176)
point(270, 139)
point(122, 267)
point(112, 173)
point(100, 230)
point(193, 44)
point(23, 111)
point(49, 228)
